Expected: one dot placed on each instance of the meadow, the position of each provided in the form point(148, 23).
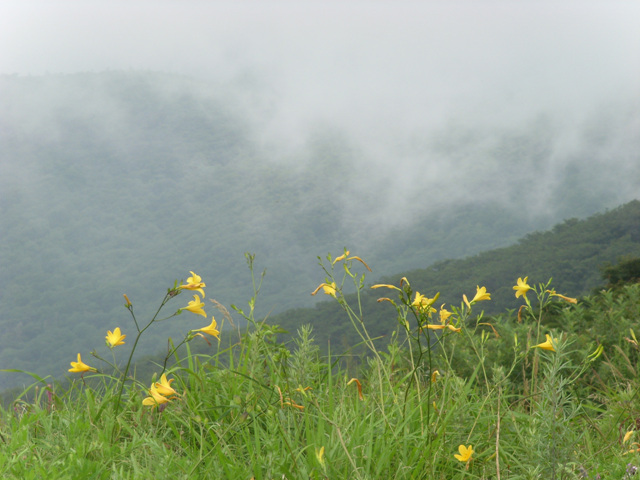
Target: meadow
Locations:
point(546, 390)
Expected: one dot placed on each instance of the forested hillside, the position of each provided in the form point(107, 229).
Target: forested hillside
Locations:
point(574, 253)
point(122, 182)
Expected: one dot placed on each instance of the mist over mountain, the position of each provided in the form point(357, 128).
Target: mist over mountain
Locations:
point(140, 141)
point(121, 182)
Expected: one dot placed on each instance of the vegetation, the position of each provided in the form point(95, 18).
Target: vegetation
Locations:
point(547, 390)
point(114, 175)
point(573, 252)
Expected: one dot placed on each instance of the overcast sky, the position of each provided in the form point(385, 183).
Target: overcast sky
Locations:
point(383, 72)
point(402, 58)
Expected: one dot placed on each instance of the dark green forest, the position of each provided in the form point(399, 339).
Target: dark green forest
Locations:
point(123, 182)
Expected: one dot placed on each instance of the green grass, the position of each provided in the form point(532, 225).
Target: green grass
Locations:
point(258, 409)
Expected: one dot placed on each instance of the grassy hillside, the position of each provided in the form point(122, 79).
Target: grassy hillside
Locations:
point(547, 394)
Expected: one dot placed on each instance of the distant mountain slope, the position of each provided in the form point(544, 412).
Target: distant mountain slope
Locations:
point(573, 253)
point(122, 182)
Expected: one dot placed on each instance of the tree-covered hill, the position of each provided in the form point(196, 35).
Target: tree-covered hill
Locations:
point(574, 253)
point(122, 182)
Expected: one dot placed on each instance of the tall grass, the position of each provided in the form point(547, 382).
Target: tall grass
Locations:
point(256, 408)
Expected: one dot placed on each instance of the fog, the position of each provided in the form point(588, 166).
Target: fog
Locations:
point(392, 80)
point(381, 122)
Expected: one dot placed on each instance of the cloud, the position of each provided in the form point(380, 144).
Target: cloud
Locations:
point(419, 93)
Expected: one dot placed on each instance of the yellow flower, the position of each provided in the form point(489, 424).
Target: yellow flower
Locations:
point(194, 283)
point(154, 399)
point(195, 306)
point(320, 456)
point(211, 329)
point(465, 453)
point(424, 304)
point(627, 436)
point(115, 338)
point(522, 288)
point(384, 285)
point(437, 326)
point(345, 255)
point(341, 257)
point(385, 299)
point(328, 288)
point(481, 294)
point(441, 327)
point(359, 385)
point(292, 404)
point(81, 367)
point(355, 257)
point(566, 299)
point(128, 304)
point(444, 314)
point(163, 387)
point(548, 345)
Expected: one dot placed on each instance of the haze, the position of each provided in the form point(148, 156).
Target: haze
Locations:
point(410, 132)
point(383, 72)
point(388, 76)
point(422, 93)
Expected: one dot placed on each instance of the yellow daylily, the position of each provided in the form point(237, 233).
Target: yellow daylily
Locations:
point(163, 387)
point(329, 289)
point(465, 453)
point(154, 399)
point(359, 385)
point(522, 288)
point(195, 306)
point(355, 257)
point(548, 345)
point(444, 314)
point(320, 456)
point(115, 338)
point(424, 304)
point(627, 436)
point(481, 294)
point(194, 283)
point(79, 366)
point(292, 404)
point(340, 258)
point(345, 256)
point(384, 285)
point(439, 326)
point(212, 329)
point(566, 299)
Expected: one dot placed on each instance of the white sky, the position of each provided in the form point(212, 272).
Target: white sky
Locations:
point(384, 72)
point(343, 55)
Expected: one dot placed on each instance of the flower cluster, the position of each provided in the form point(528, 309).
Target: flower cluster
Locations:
point(196, 306)
point(424, 309)
point(544, 295)
point(160, 392)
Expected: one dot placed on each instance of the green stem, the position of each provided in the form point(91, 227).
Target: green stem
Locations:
point(170, 294)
